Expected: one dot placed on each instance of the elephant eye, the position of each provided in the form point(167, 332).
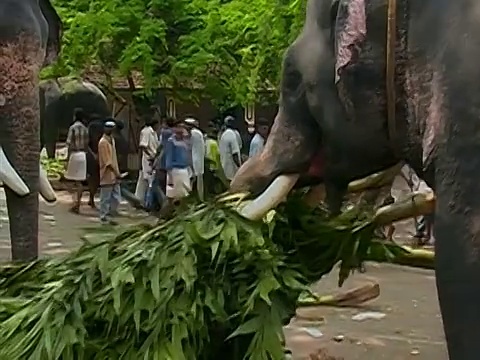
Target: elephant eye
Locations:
point(292, 78)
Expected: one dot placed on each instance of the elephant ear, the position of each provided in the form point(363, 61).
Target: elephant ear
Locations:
point(55, 30)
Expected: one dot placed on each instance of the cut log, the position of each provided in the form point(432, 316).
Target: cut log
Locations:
point(316, 194)
point(377, 180)
point(416, 204)
point(419, 258)
point(354, 297)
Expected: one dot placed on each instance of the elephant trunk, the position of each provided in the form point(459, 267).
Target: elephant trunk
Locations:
point(20, 139)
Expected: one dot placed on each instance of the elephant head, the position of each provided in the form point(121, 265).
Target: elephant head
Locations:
point(30, 34)
point(59, 98)
point(314, 138)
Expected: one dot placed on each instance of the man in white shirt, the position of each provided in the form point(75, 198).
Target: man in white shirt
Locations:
point(197, 143)
point(229, 148)
point(229, 119)
point(148, 145)
point(423, 224)
point(258, 141)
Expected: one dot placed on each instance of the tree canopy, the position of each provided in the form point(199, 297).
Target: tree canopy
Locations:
point(231, 49)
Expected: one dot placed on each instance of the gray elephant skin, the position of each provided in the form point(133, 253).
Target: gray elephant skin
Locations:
point(332, 126)
point(30, 33)
point(58, 100)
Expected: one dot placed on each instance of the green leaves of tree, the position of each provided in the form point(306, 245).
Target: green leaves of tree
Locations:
point(232, 49)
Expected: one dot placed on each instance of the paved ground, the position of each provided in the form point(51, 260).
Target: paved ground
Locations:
point(411, 327)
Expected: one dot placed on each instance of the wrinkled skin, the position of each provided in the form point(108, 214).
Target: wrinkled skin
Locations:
point(30, 33)
point(58, 99)
point(437, 127)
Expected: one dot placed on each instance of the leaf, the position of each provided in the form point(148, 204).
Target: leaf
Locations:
point(248, 327)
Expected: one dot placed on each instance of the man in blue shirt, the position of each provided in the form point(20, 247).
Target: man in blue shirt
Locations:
point(258, 141)
point(177, 162)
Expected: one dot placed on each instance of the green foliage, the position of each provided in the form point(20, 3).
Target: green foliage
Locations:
point(207, 284)
point(231, 49)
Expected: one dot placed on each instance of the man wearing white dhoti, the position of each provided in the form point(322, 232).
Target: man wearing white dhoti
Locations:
point(148, 144)
point(197, 143)
point(77, 144)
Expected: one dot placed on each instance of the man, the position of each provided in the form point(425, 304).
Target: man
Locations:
point(229, 123)
point(229, 149)
point(258, 141)
point(77, 143)
point(197, 143)
point(109, 174)
point(95, 132)
point(212, 152)
point(165, 133)
point(177, 162)
point(121, 145)
point(148, 146)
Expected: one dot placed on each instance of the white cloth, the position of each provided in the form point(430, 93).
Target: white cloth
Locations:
point(256, 145)
point(180, 185)
point(239, 139)
point(77, 166)
point(197, 142)
point(148, 139)
point(418, 184)
point(228, 146)
point(142, 186)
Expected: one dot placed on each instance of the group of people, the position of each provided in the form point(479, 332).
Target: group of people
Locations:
point(92, 157)
point(173, 154)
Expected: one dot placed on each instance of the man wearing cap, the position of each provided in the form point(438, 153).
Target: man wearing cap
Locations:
point(229, 147)
point(197, 143)
point(148, 144)
point(109, 174)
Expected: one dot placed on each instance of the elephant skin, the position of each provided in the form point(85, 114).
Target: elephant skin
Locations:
point(59, 98)
point(332, 126)
point(30, 33)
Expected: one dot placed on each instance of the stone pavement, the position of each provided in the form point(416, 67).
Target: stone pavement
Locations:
point(410, 329)
point(59, 230)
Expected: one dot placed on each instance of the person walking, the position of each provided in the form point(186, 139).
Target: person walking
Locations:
point(258, 141)
point(77, 144)
point(148, 145)
point(197, 143)
point(95, 132)
point(177, 162)
point(109, 174)
point(165, 133)
point(229, 147)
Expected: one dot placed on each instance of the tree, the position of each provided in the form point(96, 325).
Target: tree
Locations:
point(232, 49)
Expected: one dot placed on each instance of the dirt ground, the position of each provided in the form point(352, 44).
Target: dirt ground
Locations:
point(410, 326)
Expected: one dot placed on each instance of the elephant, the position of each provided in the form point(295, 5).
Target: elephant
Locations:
point(30, 33)
point(58, 100)
point(334, 125)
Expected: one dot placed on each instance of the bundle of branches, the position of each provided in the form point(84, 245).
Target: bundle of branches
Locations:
point(207, 284)
point(54, 167)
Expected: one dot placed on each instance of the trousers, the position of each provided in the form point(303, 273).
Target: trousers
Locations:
point(109, 200)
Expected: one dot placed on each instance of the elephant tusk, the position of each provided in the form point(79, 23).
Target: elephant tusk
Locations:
point(10, 177)
point(270, 198)
point(45, 188)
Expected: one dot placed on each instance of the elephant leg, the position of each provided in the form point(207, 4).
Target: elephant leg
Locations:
point(457, 181)
point(20, 61)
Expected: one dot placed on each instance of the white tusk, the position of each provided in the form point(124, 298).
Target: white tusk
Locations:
point(45, 188)
point(270, 198)
point(10, 177)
